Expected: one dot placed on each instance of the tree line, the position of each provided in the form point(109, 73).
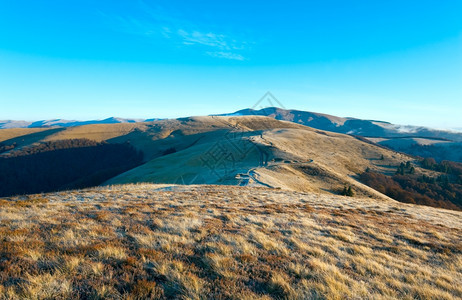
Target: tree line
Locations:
point(5, 147)
point(441, 191)
point(62, 165)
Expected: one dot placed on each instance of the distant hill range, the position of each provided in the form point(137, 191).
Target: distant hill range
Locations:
point(4, 124)
point(247, 150)
point(414, 140)
point(352, 126)
point(244, 150)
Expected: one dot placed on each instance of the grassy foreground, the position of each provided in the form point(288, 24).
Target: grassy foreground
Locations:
point(212, 242)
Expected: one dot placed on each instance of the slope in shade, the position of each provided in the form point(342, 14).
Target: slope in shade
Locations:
point(64, 165)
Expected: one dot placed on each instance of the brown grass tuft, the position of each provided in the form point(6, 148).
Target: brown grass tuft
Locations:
point(139, 242)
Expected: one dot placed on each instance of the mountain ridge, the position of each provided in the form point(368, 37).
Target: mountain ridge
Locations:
point(414, 140)
point(312, 119)
point(239, 151)
point(350, 125)
point(8, 124)
point(259, 150)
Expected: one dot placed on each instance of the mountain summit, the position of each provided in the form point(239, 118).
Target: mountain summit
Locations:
point(352, 126)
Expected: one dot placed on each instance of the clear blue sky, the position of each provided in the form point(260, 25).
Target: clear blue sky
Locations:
point(399, 61)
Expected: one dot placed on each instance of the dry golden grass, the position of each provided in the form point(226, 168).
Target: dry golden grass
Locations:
point(222, 242)
point(265, 151)
point(11, 133)
point(297, 157)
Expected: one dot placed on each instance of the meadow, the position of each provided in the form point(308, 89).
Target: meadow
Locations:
point(149, 241)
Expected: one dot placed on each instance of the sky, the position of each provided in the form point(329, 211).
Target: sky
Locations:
point(397, 61)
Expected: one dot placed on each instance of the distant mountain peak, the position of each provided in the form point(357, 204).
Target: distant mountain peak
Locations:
point(64, 123)
point(349, 125)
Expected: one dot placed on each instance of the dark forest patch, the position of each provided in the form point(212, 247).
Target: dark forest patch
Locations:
point(62, 165)
point(407, 188)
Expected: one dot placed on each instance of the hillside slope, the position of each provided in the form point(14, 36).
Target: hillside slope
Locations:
point(260, 151)
point(250, 150)
point(215, 242)
point(367, 128)
point(439, 149)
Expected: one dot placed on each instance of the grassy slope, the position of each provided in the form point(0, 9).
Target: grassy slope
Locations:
point(300, 158)
point(23, 135)
point(214, 242)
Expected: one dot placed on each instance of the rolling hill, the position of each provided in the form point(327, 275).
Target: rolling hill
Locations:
point(353, 126)
point(225, 242)
point(6, 124)
point(439, 149)
point(241, 150)
point(251, 150)
point(265, 152)
point(413, 140)
point(243, 207)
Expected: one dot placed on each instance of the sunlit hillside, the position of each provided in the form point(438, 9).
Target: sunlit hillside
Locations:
point(212, 242)
point(251, 150)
